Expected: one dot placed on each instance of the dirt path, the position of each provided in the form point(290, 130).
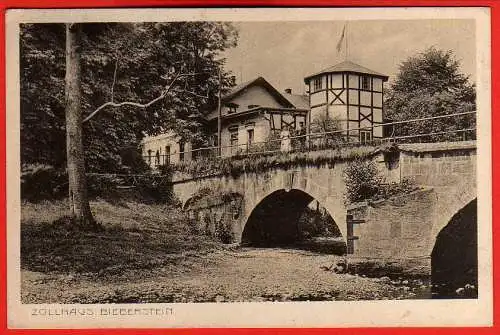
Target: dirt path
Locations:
point(241, 275)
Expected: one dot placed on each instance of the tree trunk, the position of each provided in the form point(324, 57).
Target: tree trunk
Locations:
point(78, 198)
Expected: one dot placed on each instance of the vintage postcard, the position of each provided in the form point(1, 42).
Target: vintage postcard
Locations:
point(250, 167)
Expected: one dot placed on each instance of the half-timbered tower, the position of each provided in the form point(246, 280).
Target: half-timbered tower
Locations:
point(352, 95)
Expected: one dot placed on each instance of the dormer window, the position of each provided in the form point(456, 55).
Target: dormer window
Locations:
point(317, 84)
point(365, 83)
point(231, 107)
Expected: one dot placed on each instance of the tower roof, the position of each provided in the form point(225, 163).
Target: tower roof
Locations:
point(347, 66)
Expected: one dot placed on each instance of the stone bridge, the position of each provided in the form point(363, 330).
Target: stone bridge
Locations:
point(401, 226)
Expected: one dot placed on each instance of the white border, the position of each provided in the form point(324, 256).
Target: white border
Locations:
point(294, 314)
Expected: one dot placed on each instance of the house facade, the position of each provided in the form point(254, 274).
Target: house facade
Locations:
point(167, 148)
point(255, 112)
point(350, 94)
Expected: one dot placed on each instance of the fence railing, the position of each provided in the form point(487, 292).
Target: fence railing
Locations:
point(309, 142)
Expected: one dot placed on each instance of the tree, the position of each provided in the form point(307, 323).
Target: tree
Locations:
point(431, 84)
point(171, 76)
point(119, 62)
point(78, 198)
point(42, 72)
point(323, 123)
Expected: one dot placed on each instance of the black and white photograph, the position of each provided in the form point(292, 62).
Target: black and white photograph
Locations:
point(278, 158)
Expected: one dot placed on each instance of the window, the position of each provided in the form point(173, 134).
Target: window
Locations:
point(157, 158)
point(167, 154)
point(231, 107)
point(365, 83)
point(181, 150)
point(233, 140)
point(215, 140)
point(318, 84)
point(365, 136)
point(250, 136)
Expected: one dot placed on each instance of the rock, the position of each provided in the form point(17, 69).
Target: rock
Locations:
point(418, 282)
point(460, 291)
point(342, 263)
point(385, 280)
point(404, 282)
point(339, 269)
point(405, 288)
point(219, 298)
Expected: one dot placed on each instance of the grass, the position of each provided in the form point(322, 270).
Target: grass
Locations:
point(238, 165)
point(134, 237)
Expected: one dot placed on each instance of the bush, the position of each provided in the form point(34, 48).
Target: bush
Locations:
point(313, 223)
point(388, 190)
point(362, 180)
point(44, 182)
point(39, 182)
point(223, 232)
point(363, 183)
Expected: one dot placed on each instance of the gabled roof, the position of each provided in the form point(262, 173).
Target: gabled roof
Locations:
point(260, 81)
point(298, 100)
point(347, 66)
point(289, 101)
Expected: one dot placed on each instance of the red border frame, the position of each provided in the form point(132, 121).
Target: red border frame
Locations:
point(495, 80)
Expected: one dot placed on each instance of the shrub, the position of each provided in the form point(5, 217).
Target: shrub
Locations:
point(44, 182)
point(313, 223)
point(362, 180)
point(39, 182)
point(388, 190)
point(223, 232)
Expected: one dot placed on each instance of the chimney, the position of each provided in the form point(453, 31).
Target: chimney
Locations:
point(288, 91)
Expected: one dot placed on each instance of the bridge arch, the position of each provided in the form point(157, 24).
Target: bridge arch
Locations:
point(274, 219)
point(454, 255)
point(450, 200)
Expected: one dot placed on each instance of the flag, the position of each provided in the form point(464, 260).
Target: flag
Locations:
point(341, 40)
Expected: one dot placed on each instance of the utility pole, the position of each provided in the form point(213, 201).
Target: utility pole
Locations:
point(219, 116)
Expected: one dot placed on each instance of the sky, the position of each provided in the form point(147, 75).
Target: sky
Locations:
point(285, 52)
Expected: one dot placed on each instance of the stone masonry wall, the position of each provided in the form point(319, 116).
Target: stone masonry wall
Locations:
point(396, 228)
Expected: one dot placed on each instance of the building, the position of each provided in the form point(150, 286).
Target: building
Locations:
point(165, 149)
point(351, 94)
point(255, 112)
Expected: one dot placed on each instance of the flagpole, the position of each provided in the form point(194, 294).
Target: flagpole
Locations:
point(346, 38)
